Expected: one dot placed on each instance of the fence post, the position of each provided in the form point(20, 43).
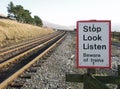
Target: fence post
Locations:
point(91, 71)
point(119, 36)
point(118, 87)
point(113, 34)
point(118, 75)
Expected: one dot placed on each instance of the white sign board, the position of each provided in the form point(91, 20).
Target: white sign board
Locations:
point(94, 44)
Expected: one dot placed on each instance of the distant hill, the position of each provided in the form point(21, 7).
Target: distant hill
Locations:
point(56, 26)
point(2, 15)
point(116, 27)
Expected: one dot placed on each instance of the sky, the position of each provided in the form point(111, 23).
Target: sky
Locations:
point(67, 12)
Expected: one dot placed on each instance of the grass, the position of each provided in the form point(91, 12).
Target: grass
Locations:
point(116, 37)
point(12, 31)
point(115, 40)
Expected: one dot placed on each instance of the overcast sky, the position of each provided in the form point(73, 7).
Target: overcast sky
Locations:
point(67, 12)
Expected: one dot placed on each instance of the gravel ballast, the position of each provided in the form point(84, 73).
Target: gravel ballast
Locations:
point(51, 74)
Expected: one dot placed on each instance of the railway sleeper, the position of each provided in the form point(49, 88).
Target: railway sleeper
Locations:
point(26, 76)
point(41, 61)
point(17, 84)
point(36, 65)
point(44, 58)
point(32, 70)
point(47, 55)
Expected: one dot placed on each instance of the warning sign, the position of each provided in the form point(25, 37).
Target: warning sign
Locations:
point(94, 44)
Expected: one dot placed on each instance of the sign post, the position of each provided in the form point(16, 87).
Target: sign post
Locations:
point(94, 51)
point(94, 44)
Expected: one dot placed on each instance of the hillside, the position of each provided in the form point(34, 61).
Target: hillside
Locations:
point(56, 26)
point(12, 31)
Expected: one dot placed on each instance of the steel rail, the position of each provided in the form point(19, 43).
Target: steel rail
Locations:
point(23, 43)
point(6, 82)
point(10, 53)
point(16, 58)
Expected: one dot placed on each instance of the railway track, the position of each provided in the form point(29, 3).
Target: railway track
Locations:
point(15, 60)
point(9, 52)
point(23, 43)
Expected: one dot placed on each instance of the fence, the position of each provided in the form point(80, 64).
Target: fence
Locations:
point(94, 82)
point(116, 35)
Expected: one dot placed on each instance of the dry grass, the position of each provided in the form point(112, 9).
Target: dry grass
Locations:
point(115, 40)
point(12, 31)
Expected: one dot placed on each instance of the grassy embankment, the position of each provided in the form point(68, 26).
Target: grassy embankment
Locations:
point(116, 37)
point(12, 31)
